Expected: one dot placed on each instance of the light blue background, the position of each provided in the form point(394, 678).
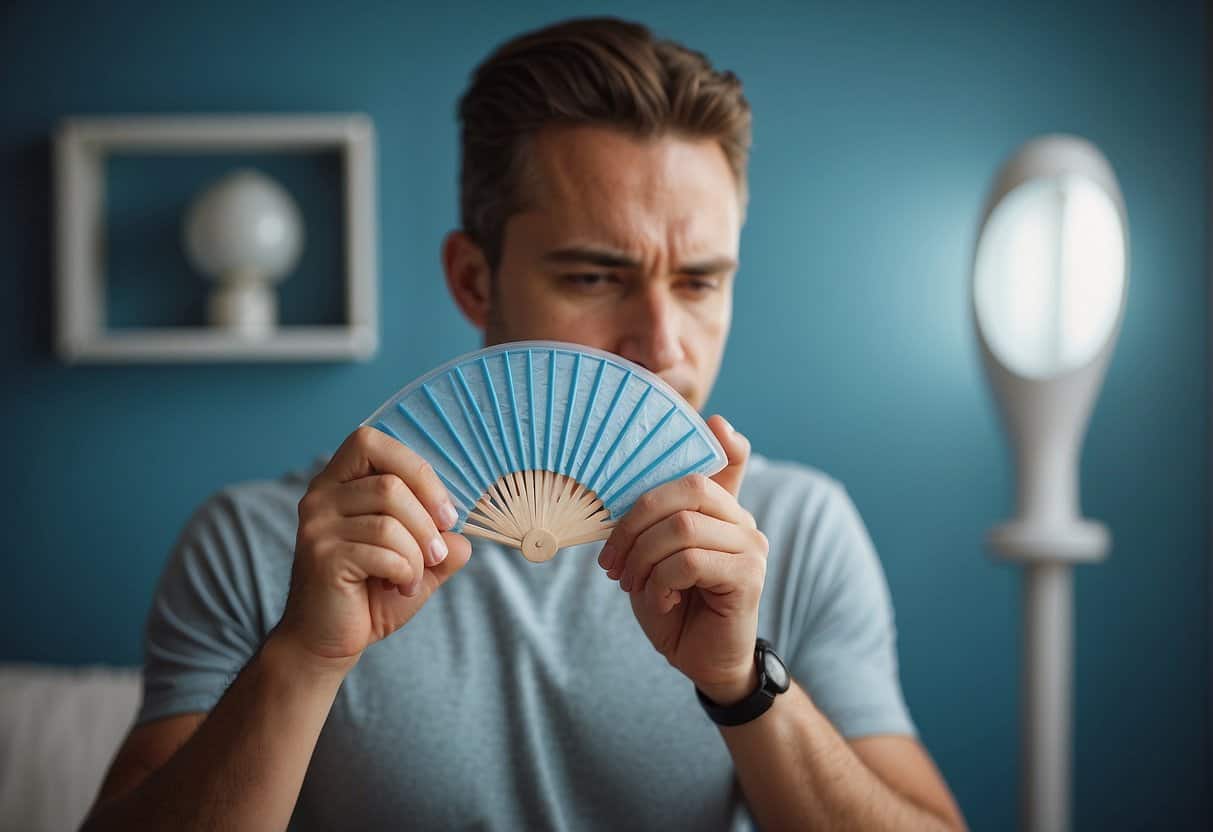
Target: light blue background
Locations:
point(877, 130)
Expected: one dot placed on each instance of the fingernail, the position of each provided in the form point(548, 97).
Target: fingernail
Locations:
point(728, 426)
point(626, 583)
point(437, 551)
point(606, 556)
point(448, 515)
point(412, 589)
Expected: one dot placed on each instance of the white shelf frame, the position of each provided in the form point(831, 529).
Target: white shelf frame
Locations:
point(80, 147)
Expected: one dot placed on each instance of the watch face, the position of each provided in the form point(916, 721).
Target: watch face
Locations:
point(776, 672)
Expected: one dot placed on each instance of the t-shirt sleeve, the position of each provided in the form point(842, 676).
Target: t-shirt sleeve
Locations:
point(846, 657)
point(201, 627)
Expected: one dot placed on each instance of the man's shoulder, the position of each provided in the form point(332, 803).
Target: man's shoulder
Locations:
point(272, 492)
point(786, 482)
point(802, 510)
point(249, 514)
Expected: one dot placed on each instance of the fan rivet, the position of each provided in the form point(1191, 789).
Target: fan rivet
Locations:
point(539, 545)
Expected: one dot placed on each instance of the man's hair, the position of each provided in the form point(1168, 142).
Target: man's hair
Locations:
point(590, 71)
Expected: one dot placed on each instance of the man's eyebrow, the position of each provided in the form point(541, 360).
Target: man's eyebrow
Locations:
point(617, 260)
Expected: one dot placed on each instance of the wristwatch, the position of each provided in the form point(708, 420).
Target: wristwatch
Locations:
point(773, 680)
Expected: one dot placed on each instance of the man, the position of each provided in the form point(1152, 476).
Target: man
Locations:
point(323, 651)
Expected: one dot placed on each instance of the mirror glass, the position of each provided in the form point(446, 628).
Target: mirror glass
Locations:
point(1049, 275)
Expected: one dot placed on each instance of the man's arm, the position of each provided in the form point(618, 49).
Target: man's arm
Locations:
point(690, 540)
point(796, 771)
point(241, 766)
point(368, 555)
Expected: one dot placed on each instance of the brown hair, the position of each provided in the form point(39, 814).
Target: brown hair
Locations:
point(600, 70)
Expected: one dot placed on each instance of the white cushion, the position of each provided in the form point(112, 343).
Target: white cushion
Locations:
point(59, 729)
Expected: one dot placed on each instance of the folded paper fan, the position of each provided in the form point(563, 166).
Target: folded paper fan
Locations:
point(544, 444)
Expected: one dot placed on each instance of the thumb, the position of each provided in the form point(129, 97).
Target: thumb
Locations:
point(459, 551)
point(736, 449)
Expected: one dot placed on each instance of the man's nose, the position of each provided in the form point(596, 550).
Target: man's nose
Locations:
point(651, 331)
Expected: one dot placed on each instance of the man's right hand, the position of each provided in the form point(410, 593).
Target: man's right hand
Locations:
point(370, 549)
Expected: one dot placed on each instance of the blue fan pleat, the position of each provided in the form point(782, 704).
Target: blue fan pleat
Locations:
point(593, 484)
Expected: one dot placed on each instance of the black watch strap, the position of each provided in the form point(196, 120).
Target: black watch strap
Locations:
point(772, 680)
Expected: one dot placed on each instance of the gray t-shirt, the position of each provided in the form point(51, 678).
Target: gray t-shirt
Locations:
point(526, 696)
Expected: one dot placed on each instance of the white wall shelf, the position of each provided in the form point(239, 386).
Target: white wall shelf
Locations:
point(81, 145)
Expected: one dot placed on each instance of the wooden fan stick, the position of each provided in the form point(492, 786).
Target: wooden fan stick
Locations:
point(539, 512)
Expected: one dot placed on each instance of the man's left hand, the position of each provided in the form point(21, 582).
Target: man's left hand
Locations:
point(694, 563)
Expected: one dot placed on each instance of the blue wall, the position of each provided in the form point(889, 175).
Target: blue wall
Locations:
point(877, 132)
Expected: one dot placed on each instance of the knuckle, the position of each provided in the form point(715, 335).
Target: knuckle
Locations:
point(697, 484)
point(364, 437)
point(383, 526)
point(388, 486)
point(405, 571)
point(309, 503)
point(309, 531)
point(326, 549)
point(684, 524)
point(408, 548)
point(644, 504)
point(424, 472)
point(331, 568)
point(693, 560)
point(761, 541)
point(760, 576)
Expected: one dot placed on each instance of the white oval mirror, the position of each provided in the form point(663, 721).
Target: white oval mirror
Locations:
point(1049, 275)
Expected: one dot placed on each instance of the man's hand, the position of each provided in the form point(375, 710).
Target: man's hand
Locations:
point(694, 563)
point(369, 551)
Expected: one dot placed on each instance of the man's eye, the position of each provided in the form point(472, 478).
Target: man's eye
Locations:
point(588, 280)
point(701, 284)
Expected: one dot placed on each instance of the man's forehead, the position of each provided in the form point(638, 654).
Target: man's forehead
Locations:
point(601, 186)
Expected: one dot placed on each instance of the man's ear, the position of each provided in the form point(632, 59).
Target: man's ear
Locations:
point(468, 277)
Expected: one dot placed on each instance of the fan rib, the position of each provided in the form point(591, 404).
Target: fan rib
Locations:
point(518, 500)
point(602, 426)
point(421, 429)
point(488, 434)
point(589, 413)
point(593, 515)
point(549, 499)
point(545, 503)
point(490, 504)
point(478, 515)
point(649, 468)
point(489, 534)
point(581, 503)
point(547, 428)
point(622, 433)
point(459, 495)
point(509, 383)
point(505, 504)
point(529, 477)
point(467, 417)
point(568, 412)
point(505, 440)
point(561, 504)
point(648, 437)
point(446, 422)
point(537, 496)
point(589, 537)
point(688, 469)
point(492, 517)
point(574, 493)
point(530, 393)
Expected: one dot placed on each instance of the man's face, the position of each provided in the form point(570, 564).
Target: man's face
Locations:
point(631, 246)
